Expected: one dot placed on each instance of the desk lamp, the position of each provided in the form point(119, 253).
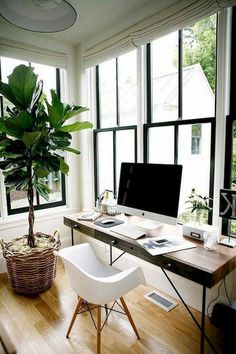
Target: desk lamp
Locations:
point(228, 211)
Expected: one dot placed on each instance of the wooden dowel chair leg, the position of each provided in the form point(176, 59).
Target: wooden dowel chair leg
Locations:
point(106, 309)
point(98, 329)
point(74, 316)
point(129, 317)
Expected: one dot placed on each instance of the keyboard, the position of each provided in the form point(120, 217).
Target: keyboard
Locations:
point(128, 231)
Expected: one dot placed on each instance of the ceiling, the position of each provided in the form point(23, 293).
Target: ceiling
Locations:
point(96, 16)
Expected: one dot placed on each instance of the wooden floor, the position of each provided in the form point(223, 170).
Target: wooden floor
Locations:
point(38, 325)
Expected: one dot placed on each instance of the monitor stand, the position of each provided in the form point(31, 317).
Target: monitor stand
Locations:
point(228, 241)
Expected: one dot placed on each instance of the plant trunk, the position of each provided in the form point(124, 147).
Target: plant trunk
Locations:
point(30, 196)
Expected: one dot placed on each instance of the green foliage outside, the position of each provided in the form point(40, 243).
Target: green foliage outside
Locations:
point(200, 47)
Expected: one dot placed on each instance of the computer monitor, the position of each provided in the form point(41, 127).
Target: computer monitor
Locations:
point(150, 191)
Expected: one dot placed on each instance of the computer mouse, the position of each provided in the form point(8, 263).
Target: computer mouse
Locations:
point(107, 221)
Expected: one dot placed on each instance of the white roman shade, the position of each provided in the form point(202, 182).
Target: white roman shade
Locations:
point(176, 16)
point(31, 53)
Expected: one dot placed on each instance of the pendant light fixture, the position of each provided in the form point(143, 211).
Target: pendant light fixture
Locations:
point(44, 16)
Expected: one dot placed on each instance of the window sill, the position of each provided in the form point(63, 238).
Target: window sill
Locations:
point(13, 221)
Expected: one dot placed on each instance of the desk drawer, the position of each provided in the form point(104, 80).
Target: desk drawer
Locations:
point(127, 246)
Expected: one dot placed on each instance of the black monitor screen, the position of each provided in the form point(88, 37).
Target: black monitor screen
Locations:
point(153, 188)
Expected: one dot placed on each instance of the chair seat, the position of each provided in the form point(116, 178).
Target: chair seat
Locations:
point(98, 283)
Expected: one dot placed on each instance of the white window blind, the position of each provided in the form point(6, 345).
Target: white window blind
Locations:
point(31, 53)
point(176, 16)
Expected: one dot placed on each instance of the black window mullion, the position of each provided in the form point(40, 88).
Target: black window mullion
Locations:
point(176, 143)
point(37, 198)
point(58, 83)
point(97, 97)
point(95, 149)
point(230, 119)
point(149, 83)
point(228, 151)
point(117, 95)
point(114, 162)
point(135, 145)
point(180, 75)
point(212, 169)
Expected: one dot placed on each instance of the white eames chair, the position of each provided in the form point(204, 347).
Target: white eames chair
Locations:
point(98, 284)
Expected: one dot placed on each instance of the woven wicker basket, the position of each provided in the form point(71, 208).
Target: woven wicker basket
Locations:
point(32, 273)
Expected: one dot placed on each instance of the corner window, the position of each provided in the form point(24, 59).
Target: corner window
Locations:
point(115, 139)
point(17, 200)
point(181, 106)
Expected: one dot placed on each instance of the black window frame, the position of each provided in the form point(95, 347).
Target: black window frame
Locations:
point(37, 206)
point(114, 129)
point(230, 119)
point(180, 121)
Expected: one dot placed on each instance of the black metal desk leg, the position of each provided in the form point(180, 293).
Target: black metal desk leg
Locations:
point(72, 236)
point(111, 255)
point(203, 319)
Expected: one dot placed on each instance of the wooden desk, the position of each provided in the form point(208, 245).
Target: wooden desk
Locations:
point(204, 267)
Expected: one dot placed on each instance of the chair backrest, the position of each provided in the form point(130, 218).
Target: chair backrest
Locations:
point(94, 281)
point(81, 266)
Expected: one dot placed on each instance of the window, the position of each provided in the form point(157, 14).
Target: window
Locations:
point(17, 200)
point(180, 109)
point(116, 83)
point(181, 105)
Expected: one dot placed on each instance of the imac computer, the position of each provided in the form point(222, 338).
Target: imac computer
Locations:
point(150, 191)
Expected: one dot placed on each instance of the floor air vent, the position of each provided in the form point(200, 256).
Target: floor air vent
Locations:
point(160, 300)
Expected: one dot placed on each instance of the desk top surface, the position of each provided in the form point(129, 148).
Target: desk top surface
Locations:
point(197, 264)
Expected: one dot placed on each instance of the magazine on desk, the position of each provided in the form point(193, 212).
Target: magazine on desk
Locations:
point(164, 244)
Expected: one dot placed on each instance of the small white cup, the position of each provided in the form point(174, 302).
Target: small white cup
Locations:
point(211, 240)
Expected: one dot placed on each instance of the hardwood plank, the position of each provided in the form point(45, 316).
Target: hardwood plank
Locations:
point(38, 325)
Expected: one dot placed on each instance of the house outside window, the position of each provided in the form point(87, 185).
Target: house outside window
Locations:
point(181, 121)
point(180, 109)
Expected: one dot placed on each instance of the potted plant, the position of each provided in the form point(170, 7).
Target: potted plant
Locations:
point(199, 204)
point(32, 137)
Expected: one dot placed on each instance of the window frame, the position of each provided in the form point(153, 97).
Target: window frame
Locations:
point(37, 206)
point(230, 119)
point(180, 120)
point(114, 129)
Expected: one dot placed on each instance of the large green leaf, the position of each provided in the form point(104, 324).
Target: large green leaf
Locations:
point(42, 189)
point(7, 127)
point(55, 110)
point(77, 152)
point(64, 168)
point(74, 111)
point(30, 138)
point(48, 162)
point(40, 172)
point(60, 139)
point(22, 82)
point(75, 126)
point(7, 92)
point(22, 121)
point(17, 180)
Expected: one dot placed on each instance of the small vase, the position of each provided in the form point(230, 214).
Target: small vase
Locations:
point(198, 217)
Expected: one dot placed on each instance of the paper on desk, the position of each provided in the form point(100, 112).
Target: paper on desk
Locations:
point(164, 244)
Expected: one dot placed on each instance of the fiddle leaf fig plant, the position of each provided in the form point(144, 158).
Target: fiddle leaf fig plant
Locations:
point(33, 136)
